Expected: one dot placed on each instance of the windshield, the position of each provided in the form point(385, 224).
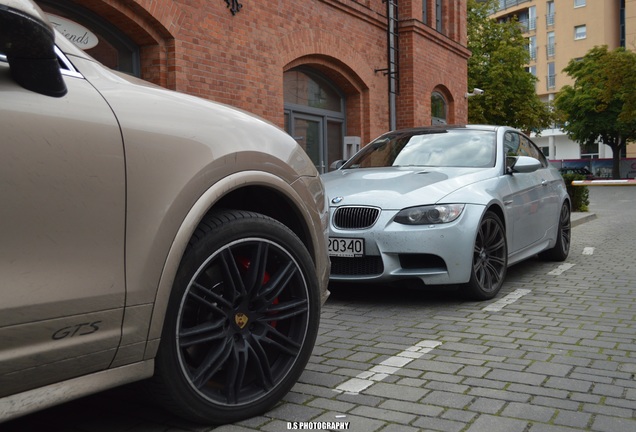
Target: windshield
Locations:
point(437, 148)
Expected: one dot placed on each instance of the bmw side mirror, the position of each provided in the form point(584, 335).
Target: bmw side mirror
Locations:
point(28, 40)
point(521, 164)
point(337, 164)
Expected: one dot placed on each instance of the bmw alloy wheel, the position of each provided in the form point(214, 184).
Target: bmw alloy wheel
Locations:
point(490, 259)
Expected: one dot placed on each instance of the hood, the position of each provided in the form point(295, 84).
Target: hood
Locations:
point(397, 188)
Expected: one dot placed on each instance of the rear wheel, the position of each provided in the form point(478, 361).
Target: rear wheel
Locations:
point(490, 259)
point(561, 249)
point(241, 321)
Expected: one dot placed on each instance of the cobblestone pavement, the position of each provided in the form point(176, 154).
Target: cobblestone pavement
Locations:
point(554, 352)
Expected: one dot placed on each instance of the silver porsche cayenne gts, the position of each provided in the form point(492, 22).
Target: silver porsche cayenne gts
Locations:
point(445, 205)
point(147, 235)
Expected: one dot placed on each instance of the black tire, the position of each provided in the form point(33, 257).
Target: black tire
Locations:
point(241, 321)
point(561, 249)
point(490, 259)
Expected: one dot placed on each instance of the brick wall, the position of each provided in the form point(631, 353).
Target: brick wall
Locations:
point(199, 47)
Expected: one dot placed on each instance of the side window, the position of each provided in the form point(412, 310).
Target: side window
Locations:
point(511, 144)
point(530, 149)
point(525, 148)
point(519, 145)
point(66, 67)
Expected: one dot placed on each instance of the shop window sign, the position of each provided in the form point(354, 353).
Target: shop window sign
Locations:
point(79, 35)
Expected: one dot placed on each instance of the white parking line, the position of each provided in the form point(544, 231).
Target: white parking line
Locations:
point(588, 251)
point(509, 299)
point(388, 367)
point(560, 269)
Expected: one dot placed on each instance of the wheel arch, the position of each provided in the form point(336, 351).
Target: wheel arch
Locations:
point(259, 192)
point(498, 210)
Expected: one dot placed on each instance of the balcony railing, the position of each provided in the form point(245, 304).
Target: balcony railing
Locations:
point(505, 4)
point(528, 24)
point(551, 82)
point(550, 50)
point(549, 20)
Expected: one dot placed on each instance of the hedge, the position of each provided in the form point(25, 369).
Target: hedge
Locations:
point(579, 194)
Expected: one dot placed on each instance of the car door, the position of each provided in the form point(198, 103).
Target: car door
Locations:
point(62, 214)
point(530, 201)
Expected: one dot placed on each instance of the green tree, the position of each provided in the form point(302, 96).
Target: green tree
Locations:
point(498, 66)
point(601, 105)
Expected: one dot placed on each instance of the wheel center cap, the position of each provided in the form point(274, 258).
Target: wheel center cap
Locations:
point(241, 320)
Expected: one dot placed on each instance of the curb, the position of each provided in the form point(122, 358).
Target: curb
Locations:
point(580, 218)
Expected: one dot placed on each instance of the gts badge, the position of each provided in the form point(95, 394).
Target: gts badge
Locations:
point(82, 329)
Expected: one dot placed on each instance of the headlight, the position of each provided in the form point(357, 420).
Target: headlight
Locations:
point(434, 214)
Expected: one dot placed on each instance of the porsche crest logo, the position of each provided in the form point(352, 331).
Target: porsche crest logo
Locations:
point(241, 320)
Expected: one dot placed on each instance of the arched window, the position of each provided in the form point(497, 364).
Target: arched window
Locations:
point(315, 115)
point(439, 109)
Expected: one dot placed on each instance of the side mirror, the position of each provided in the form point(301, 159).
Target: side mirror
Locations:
point(522, 164)
point(337, 164)
point(28, 41)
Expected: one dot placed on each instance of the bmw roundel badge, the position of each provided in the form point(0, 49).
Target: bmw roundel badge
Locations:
point(337, 200)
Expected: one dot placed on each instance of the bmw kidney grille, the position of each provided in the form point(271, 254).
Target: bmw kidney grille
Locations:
point(355, 217)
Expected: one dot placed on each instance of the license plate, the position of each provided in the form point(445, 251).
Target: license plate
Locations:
point(346, 247)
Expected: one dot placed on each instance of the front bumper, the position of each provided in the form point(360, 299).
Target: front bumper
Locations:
point(434, 254)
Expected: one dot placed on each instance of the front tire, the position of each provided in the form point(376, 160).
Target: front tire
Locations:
point(241, 321)
point(490, 259)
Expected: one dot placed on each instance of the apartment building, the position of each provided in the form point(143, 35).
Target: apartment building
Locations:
point(559, 31)
point(334, 73)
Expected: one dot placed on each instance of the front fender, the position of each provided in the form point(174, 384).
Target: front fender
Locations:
point(194, 217)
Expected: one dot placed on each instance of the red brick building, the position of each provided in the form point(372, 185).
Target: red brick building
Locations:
point(331, 72)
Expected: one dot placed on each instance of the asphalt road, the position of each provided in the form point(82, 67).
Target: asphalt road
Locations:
point(555, 352)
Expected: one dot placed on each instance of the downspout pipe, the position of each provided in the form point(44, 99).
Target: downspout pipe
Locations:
point(391, 6)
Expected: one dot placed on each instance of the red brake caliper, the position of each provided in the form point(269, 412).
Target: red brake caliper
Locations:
point(245, 264)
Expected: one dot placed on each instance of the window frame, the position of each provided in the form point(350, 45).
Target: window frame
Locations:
point(577, 36)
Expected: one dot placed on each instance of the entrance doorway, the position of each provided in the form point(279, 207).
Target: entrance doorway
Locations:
point(315, 116)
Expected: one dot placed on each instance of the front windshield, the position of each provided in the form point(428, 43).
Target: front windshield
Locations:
point(437, 148)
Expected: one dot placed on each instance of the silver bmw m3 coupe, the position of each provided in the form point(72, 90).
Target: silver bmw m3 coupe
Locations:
point(445, 205)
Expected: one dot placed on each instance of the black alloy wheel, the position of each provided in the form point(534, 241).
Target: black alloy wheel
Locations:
point(490, 259)
point(241, 322)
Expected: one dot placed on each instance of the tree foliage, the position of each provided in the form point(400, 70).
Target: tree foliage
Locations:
point(497, 66)
point(601, 105)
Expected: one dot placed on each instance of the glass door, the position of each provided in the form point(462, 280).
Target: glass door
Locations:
point(307, 130)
